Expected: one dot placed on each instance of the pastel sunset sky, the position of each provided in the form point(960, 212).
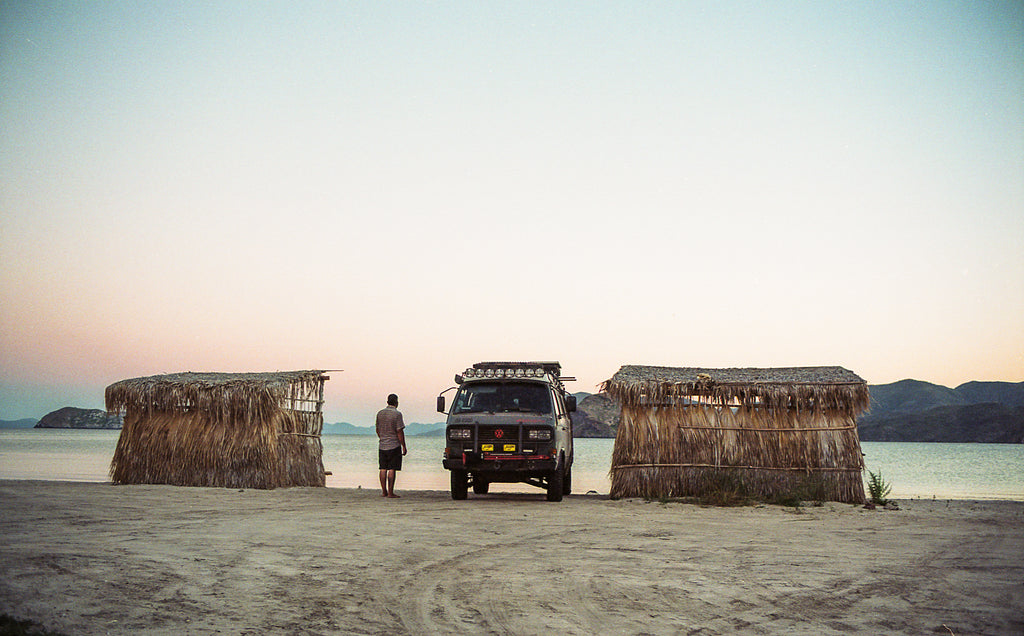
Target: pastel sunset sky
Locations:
point(399, 190)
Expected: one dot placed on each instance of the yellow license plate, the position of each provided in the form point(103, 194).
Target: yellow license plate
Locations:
point(487, 447)
point(509, 448)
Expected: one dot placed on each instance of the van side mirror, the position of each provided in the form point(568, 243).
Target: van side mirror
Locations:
point(440, 404)
point(570, 403)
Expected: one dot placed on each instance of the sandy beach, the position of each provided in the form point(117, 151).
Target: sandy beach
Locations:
point(99, 559)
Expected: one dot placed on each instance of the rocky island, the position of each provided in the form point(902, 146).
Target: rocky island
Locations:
point(72, 417)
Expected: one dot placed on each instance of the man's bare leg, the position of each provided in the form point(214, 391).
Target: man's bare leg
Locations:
point(384, 482)
point(391, 483)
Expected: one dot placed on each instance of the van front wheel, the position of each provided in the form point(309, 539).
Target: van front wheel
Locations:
point(460, 484)
point(556, 481)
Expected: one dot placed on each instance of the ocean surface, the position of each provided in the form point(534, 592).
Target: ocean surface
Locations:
point(915, 470)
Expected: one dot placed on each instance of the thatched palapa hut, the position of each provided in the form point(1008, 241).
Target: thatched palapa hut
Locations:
point(685, 431)
point(233, 430)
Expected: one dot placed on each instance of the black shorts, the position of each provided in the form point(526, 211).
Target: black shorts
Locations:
point(390, 459)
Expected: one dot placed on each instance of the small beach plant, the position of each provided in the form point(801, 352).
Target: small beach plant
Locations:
point(878, 489)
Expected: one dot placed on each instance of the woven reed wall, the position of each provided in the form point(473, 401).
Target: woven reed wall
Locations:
point(681, 451)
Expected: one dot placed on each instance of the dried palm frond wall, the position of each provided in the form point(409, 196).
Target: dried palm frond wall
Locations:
point(685, 431)
point(241, 430)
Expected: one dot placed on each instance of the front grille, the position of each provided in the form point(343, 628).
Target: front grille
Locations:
point(500, 434)
point(497, 436)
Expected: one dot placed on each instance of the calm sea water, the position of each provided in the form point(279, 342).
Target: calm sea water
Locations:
point(945, 471)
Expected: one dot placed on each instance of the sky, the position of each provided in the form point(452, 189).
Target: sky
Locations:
point(396, 190)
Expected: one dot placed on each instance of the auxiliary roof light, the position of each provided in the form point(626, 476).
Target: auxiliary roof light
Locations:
point(511, 371)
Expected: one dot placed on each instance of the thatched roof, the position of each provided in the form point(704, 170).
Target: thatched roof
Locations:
point(236, 393)
point(782, 387)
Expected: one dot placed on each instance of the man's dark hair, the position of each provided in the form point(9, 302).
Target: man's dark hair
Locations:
point(392, 400)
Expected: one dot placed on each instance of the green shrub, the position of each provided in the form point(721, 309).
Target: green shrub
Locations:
point(878, 489)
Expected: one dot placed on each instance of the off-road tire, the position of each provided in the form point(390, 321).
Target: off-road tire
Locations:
point(460, 484)
point(556, 481)
point(480, 485)
point(567, 482)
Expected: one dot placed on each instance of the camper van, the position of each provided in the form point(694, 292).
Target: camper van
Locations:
point(508, 423)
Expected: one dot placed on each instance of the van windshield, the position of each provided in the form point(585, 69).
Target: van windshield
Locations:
point(503, 397)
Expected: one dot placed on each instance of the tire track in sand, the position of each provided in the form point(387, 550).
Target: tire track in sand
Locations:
point(478, 604)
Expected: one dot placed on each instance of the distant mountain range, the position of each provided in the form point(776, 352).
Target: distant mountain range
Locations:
point(904, 411)
point(414, 429)
point(597, 415)
point(916, 411)
point(72, 417)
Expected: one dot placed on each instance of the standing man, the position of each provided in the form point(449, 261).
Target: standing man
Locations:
point(392, 445)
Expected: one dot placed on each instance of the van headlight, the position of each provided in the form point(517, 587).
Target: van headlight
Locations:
point(543, 434)
point(460, 433)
